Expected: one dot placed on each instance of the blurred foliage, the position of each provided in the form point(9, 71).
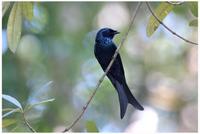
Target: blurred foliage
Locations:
point(53, 44)
point(5, 6)
point(8, 122)
point(194, 8)
point(91, 127)
point(194, 23)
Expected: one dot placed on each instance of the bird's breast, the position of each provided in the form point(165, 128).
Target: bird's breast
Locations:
point(103, 50)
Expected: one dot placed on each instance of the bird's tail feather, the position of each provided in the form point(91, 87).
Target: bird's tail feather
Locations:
point(123, 100)
point(131, 99)
point(125, 96)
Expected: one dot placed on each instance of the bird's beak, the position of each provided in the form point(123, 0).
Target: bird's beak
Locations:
point(116, 32)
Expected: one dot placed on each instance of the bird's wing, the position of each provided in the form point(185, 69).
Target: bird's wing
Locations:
point(104, 56)
point(123, 100)
point(117, 70)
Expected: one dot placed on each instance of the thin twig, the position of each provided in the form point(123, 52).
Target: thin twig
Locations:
point(174, 33)
point(27, 123)
point(107, 69)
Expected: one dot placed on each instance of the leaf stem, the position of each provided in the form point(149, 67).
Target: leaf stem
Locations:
point(27, 123)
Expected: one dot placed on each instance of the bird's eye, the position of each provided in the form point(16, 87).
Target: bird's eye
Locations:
point(111, 31)
point(106, 33)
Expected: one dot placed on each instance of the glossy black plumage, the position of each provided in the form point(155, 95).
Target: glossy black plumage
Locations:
point(104, 50)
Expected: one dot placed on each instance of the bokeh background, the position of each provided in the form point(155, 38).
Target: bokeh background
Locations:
point(55, 60)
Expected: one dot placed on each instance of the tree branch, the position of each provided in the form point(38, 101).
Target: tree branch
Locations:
point(107, 69)
point(174, 33)
point(27, 123)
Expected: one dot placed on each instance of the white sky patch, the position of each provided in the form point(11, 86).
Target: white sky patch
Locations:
point(114, 15)
point(4, 41)
point(147, 122)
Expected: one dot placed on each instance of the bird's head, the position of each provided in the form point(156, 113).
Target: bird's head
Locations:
point(105, 33)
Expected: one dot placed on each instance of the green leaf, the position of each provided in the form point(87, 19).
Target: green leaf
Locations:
point(39, 103)
point(14, 27)
point(8, 122)
point(194, 8)
point(13, 111)
point(91, 126)
point(12, 100)
point(5, 6)
point(27, 10)
point(194, 23)
point(161, 12)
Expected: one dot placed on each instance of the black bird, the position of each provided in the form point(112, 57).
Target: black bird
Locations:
point(104, 50)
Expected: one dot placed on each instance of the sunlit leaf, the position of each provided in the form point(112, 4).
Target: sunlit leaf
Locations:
point(161, 12)
point(91, 126)
point(39, 21)
point(8, 122)
point(12, 100)
point(10, 112)
point(39, 103)
point(27, 10)
point(14, 128)
point(14, 27)
point(194, 8)
point(194, 23)
point(5, 6)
